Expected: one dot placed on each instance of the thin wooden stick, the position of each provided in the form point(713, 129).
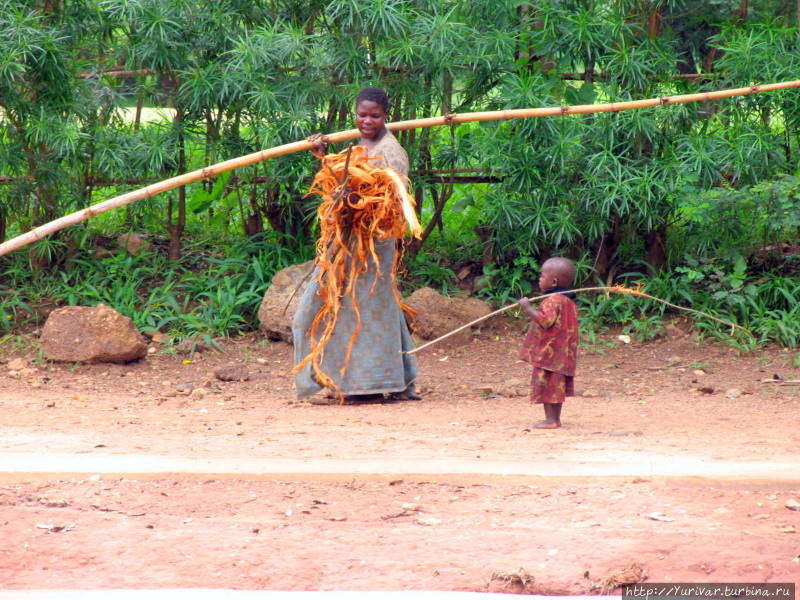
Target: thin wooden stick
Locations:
point(341, 136)
point(614, 288)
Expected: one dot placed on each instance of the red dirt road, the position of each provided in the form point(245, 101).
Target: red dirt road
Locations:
point(585, 501)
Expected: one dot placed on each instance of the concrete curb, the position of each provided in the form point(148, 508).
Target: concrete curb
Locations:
point(25, 466)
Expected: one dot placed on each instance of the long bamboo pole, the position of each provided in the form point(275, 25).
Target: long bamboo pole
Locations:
point(618, 289)
point(342, 136)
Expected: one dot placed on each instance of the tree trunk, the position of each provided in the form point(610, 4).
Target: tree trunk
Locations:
point(137, 120)
point(654, 24)
point(484, 233)
point(447, 92)
point(607, 247)
point(176, 228)
point(523, 53)
point(88, 178)
point(439, 200)
point(742, 12)
point(656, 245)
point(419, 196)
point(272, 210)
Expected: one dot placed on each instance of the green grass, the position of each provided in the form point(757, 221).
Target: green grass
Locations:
point(215, 291)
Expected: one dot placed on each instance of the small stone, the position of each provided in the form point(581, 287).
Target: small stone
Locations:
point(792, 504)
point(483, 389)
point(17, 364)
point(151, 350)
point(699, 372)
point(199, 392)
point(590, 394)
point(53, 503)
point(733, 393)
point(232, 372)
point(191, 346)
point(674, 331)
point(262, 361)
point(511, 582)
point(184, 388)
point(625, 432)
point(428, 521)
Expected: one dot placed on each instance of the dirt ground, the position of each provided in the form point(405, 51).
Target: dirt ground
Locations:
point(671, 400)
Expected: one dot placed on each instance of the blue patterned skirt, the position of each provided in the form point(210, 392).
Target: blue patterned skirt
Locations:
point(377, 363)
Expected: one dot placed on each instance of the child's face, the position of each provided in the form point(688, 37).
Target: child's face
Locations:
point(548, 279)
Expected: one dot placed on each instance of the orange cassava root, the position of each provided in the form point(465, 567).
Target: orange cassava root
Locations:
point(361, 203)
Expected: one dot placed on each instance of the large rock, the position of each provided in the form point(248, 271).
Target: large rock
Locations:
point(438, 315)
point(91, 334)
point(281, 299)
point(133, 243)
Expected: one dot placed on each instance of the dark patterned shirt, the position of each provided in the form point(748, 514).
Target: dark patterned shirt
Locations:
point(552, 339)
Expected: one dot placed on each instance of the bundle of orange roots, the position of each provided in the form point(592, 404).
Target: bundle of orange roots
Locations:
point(361, 203)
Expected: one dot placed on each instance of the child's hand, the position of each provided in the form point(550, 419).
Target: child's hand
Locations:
point(524, 303)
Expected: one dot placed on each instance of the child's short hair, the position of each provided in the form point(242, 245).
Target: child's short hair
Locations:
point(564, 267)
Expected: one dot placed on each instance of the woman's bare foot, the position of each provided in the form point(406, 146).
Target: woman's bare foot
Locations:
point(547, 425)
point(404, 396)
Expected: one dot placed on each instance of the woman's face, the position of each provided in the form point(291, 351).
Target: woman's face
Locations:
point(370, 118)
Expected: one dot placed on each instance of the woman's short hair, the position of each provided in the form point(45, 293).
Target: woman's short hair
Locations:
point(376, 95)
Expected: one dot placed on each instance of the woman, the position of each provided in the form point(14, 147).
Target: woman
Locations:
point(377, 364)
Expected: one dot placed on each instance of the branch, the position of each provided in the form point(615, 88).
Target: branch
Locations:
point(116, 73)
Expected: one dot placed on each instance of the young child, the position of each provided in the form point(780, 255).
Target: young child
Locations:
point(551, 344)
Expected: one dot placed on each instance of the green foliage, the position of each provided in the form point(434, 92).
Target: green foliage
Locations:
point(427, 270)
point(217, 293)
point(698, 200)
point(753, 219)
point(766, 306)
point(509, 283)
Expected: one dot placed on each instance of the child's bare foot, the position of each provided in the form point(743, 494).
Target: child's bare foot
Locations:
point(547, 425)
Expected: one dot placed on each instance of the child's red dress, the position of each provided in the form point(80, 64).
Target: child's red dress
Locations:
point(551, 347)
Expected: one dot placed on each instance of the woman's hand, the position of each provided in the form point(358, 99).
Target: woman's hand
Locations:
point(319, 146)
